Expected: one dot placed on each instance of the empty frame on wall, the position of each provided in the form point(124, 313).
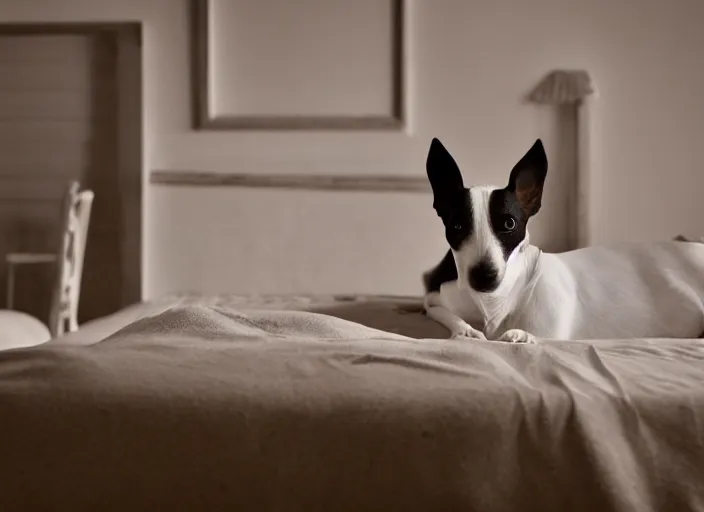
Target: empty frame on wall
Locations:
point(303, 65)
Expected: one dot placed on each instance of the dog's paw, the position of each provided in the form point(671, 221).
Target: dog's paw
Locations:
point(517, 336)
point(467, 331)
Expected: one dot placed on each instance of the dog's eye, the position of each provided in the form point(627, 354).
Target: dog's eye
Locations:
point(510, 224)
point(457, 226)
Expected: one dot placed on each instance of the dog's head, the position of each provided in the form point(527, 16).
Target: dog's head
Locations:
point(486, 226)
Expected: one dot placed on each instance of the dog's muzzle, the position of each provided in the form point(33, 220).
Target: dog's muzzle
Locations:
point(484, 277)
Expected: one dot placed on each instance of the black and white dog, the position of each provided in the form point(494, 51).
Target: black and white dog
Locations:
point(492, 284)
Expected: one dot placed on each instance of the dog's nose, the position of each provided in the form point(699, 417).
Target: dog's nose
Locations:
point(484, 277)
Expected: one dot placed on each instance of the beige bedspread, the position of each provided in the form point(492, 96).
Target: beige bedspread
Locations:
point(204, 408)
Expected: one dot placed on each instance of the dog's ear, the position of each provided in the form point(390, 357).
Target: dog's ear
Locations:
point(528, 177)
point(444, 175)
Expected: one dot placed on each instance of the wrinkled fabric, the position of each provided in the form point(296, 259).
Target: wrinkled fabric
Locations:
point(204, 407)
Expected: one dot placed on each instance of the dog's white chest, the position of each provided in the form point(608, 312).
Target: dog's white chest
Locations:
point(460, 301)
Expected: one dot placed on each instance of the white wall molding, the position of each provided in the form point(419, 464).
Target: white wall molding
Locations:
point(341, 183)
point(203, 86)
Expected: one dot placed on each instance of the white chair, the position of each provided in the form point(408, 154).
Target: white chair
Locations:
point(19, 329)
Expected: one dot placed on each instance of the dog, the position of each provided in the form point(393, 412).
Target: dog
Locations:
point(493, 284)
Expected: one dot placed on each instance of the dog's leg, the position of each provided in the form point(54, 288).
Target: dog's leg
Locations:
point(517, 336)
point(458, 328)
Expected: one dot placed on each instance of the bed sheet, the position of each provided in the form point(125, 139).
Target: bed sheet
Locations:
point(243, 404)
point(399, 314)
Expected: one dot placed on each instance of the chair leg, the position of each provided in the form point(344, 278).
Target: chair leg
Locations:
point(10, 286)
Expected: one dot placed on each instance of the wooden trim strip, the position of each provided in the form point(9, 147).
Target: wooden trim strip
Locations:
point(278, 123)
point(21, 28)
point(200, 70)
point(346, 183)
point(203, 119)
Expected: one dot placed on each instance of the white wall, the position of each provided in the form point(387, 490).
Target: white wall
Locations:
point(472, 63)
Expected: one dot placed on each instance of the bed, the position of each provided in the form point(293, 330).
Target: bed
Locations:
point(354, 403)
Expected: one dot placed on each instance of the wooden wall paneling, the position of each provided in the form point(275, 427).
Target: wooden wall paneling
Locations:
point(59, 121)
point(44, 119)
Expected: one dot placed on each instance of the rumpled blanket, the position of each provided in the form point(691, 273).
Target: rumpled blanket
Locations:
point(203, 407)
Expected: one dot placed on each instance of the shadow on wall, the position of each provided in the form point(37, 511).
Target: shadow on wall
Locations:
point(102, 277)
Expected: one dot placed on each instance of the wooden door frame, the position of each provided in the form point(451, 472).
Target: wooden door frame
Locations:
point(131, 175)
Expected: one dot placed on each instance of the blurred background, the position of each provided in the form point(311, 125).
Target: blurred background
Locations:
point(278, 146)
